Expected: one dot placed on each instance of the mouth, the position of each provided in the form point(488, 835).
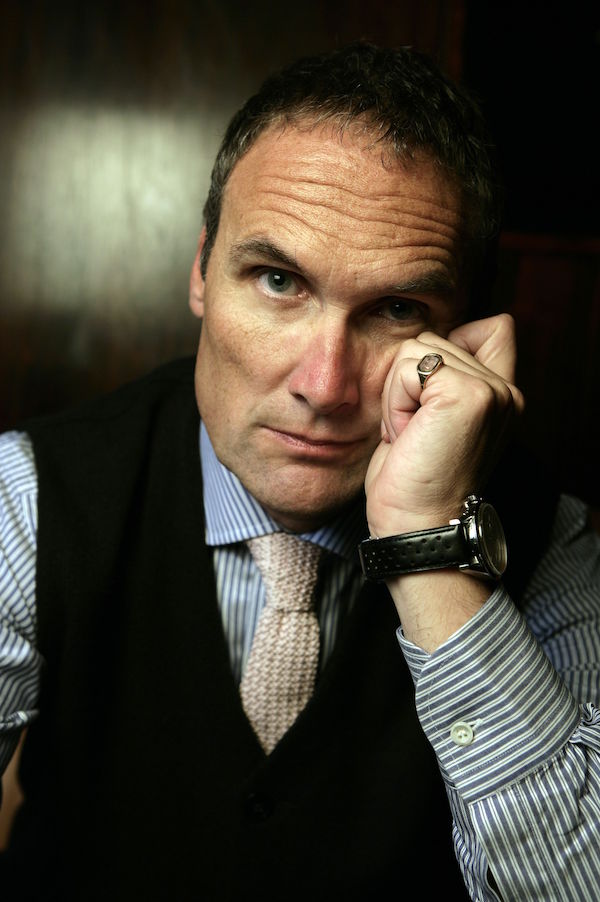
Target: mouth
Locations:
point(313, 446)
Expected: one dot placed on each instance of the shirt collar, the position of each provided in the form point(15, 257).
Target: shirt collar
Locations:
point(233, 515)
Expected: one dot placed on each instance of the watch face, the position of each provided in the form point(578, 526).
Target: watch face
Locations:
point(492, 541)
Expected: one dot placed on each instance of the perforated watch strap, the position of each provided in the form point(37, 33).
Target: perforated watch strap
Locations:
point(414, 552)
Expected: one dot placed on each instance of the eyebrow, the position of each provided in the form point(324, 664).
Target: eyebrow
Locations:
point(436, 283)
point(261, 247)
point(432, 283)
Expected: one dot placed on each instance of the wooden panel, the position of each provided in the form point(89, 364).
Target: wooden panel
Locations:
point(552, 287)
point(110, 115)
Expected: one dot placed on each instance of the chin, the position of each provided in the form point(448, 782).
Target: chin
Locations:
point(303, 513)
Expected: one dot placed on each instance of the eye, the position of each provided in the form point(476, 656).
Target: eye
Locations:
point(278, 281)
point(400, 310)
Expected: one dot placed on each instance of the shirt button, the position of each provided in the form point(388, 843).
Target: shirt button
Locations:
point(462, 733)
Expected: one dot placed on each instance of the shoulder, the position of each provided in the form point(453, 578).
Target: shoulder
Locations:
point(101, 449)
point(120, 419)
point(18, 484)
point(176, 377)
point(18, 539)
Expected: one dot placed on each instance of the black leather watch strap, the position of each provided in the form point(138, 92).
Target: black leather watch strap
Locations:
point(414, 552)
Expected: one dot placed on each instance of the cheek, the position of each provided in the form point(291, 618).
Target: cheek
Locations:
point(225, 340)
point(375, 373)
point(238, 354)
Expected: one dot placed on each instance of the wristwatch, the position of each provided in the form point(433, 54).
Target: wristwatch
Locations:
point(474, 542)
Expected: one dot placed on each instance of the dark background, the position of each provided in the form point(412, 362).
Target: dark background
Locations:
point(110, 115)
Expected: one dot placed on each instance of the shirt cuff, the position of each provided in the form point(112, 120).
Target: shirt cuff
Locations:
point(490, 702)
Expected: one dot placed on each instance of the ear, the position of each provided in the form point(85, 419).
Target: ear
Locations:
point(196, 299)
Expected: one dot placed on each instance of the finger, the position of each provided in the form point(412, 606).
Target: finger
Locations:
point(460, 377)
point(400, 397)
point(403, 392)
point(453, 356)
point(492, 342)
point(485, 348)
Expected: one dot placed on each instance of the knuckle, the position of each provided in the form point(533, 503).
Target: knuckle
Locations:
point(506, 323)
point(518, 399)
point(412, 347)
point(482, 395)
point(428, 337)
point(490, 396)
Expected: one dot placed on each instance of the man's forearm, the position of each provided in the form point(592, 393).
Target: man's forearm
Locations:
point(433, 605)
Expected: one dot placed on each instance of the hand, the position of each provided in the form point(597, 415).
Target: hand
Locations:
point(442, 442)
point(439, 444)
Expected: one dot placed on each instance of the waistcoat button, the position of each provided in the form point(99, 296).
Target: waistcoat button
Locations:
point(258, 806)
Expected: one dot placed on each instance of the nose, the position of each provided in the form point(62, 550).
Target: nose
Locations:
point(327, 374)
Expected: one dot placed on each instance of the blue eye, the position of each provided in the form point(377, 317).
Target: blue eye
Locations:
point(278, 281)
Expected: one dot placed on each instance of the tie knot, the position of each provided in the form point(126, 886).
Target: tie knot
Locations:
point(288, 566)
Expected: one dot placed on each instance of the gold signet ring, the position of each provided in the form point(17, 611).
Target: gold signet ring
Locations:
point(428, 366)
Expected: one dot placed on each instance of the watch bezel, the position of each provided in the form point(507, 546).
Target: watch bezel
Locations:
point(478, 541)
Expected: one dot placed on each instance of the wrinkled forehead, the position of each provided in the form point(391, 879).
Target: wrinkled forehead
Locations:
point(321, 190)
point(321, 164)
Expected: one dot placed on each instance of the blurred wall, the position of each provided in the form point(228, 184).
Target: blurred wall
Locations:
point(536, 67)
point(110, 115)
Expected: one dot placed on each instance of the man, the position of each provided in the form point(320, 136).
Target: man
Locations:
point(337, 278)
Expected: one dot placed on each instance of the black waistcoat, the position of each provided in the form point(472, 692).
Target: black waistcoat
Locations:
point(142, 776)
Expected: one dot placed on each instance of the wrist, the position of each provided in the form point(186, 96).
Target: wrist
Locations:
point(433, 606)
point(399, 523)
point(473, 540)
point(389, 519)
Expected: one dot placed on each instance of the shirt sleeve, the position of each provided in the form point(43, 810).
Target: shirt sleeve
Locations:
point(19, 659)
point(510, 704)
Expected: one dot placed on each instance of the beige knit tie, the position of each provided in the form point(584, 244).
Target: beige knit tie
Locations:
point(282, 666)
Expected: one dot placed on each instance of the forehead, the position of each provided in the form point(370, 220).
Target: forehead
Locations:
point(343, 191)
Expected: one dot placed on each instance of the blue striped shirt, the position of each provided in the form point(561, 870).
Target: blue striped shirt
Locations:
point(509, 703)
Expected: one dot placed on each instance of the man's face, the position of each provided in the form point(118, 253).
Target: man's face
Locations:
point(326, 258)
